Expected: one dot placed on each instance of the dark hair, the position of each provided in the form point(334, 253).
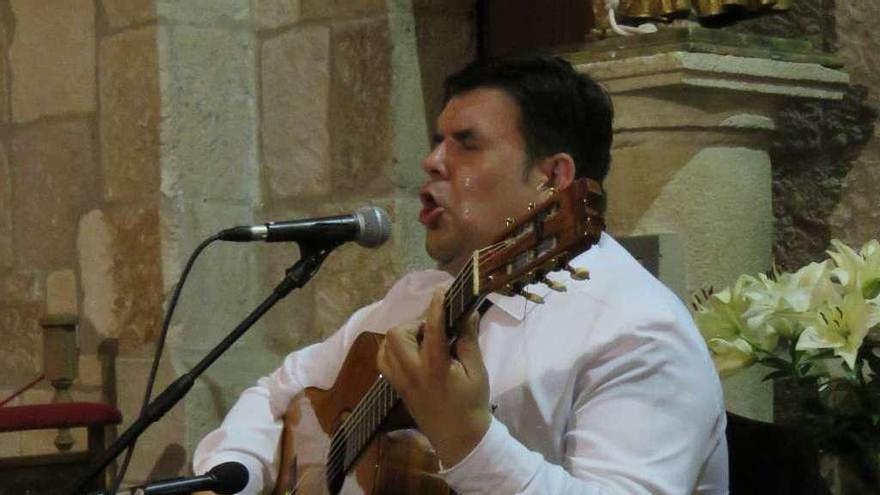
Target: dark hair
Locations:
point(562, 110)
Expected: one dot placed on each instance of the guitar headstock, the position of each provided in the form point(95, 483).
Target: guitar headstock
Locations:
point(543, 240)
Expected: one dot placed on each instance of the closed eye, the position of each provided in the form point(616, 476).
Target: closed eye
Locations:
point(466, 138)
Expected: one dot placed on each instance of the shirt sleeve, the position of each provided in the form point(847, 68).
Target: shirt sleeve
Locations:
point(251, 431)
point(641, 423)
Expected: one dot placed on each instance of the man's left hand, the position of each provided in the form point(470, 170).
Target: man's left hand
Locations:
point(448, 397)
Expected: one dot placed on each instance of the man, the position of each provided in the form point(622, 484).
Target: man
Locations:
point(606, 388)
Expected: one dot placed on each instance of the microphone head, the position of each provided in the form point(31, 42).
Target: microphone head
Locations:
point(231, 477)
point(375, 226)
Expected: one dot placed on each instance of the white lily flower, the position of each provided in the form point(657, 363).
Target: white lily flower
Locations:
point(720, 315)
point(730, 356)
point(784, 302)
point(858, 271)
point(841, 327)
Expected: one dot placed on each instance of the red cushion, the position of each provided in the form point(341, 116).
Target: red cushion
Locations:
point(61, 415)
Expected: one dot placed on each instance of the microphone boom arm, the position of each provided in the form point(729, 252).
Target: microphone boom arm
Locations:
point(295, 277)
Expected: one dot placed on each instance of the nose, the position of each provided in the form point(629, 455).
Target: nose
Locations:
point(435, 163)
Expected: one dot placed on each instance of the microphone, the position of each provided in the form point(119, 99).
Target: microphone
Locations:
point(368, 226)
point(224, 479)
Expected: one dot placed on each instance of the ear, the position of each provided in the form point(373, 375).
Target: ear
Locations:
point(556, 170)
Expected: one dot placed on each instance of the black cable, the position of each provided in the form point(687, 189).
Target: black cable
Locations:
point(160, 345)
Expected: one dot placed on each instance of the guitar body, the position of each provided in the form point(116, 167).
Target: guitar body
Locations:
point(396, 461)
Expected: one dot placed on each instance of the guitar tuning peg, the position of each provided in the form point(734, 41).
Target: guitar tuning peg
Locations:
point(531, 297)
point(558, 287)
point(578, 273)
point(509, 221)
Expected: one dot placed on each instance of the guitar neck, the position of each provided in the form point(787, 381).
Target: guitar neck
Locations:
point(461, 299)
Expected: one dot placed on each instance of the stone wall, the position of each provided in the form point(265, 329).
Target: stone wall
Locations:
point(79, 178)
point(827, 157)
point(133, 129)
point(856, 219)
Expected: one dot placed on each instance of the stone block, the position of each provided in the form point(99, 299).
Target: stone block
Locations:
point(409, 235)
point(290, 325)
point(361, 113)
point(316, 9)
point(95, 250)
point(53, 184)
point(857, 42)
point(61, 293)
point(23, 286)
point(294, 127)
point(121, 14)
point(349, 279)
point(22, 350)
point(857, 215)
point(209, 112)
point(205, 12)
point(5, 23)
point(137, 273)
point(5, 210)
point(52, 58)
point(121, 273)
point(129, 115)
point(224, 285)
point(162, 436)
point(273, 14)
point(410, 117)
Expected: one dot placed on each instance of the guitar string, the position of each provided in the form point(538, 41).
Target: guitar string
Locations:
point(338, 455)
point(353, 426)
point(345, 428)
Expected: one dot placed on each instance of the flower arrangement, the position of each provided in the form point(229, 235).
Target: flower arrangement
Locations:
point(818, 326)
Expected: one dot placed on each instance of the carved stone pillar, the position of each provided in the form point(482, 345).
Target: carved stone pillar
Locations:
point(692, 134)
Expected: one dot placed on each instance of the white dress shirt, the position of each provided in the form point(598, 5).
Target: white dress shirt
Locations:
point(606, 388)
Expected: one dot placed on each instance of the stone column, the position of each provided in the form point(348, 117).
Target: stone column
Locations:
point(690, 157)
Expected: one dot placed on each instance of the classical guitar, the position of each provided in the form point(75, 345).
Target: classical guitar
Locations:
point(360, 423)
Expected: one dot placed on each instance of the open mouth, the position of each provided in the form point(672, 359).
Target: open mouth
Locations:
point(431, 210)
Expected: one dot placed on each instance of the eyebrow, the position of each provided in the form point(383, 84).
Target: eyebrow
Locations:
point(462, 135)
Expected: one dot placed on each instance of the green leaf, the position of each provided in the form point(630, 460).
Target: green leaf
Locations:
point(871, 288)
point(805, 368)
point(776, 374)
point(775, 362)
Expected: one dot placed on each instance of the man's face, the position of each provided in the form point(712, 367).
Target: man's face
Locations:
point(476, 176)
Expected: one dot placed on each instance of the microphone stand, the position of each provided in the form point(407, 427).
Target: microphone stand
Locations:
point(296, 277)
